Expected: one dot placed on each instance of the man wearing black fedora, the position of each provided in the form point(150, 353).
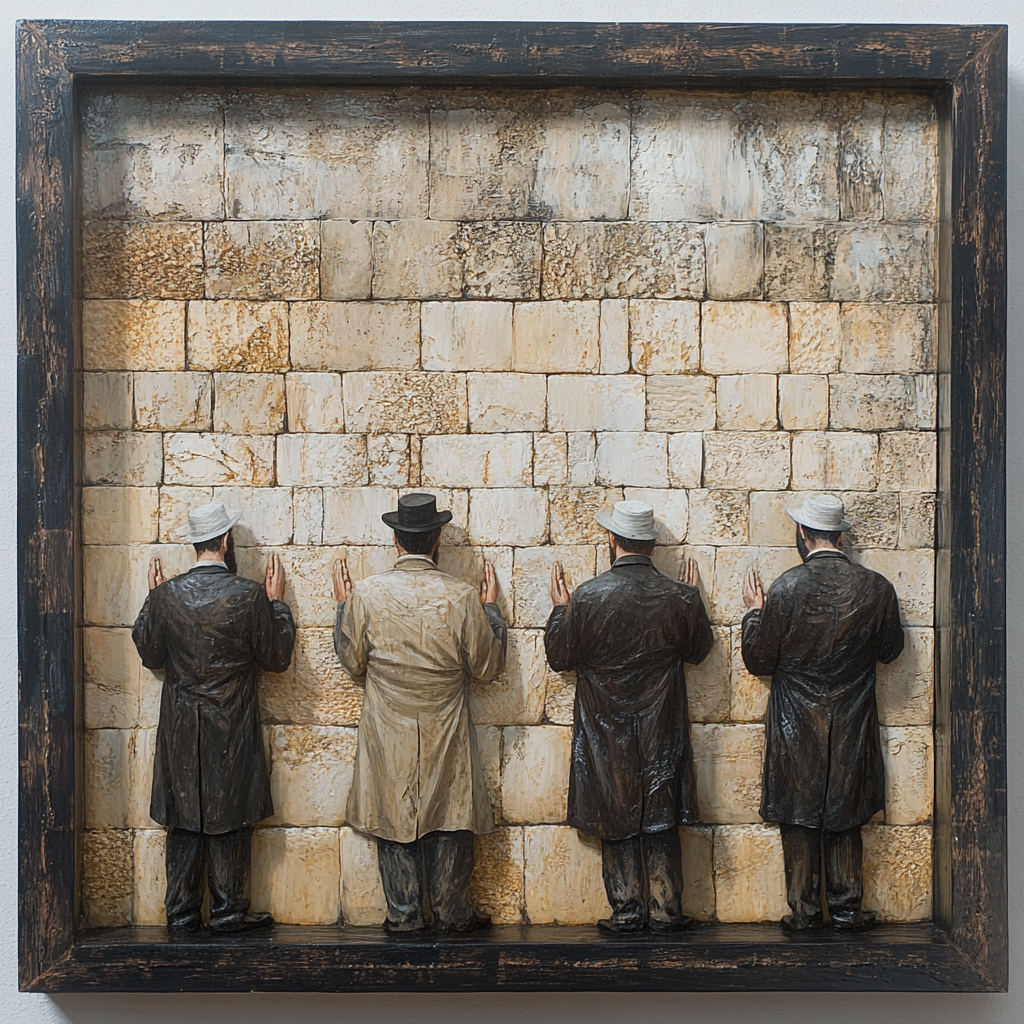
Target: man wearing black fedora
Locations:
point(415, 637)
point(819, 634)
point(627, 633)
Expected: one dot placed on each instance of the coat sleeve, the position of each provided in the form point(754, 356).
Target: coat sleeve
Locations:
point(350, 637)
point(763, 630)
point(483, 640)
point(148, 633)
point(700, 636)
point(892, 638)
point(561, 638)
point(275, 633)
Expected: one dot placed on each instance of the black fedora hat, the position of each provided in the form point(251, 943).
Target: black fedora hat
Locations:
point(417, 513)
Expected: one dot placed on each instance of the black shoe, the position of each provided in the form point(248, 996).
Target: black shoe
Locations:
point(233, 923)
point(793, 925)
point(474, 923)
point(855, 921)
point(185, 926)
point(410, 926)
point(621, 925)
point(669, 925)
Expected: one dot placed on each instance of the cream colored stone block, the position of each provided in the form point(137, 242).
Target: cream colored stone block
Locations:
point(142, 259)
point(735, 254)
point(718, 517)
point(685, 459)
point(251, 337)
point(769, 523)
point(917, 520)
point(671, 510)
point(416, 259)
point(681, 403)
point(887, 338)
point(497, 886)
point(362, 895)
point(884, 263)
point(482, 460)
point(466, 335)
point(664, 336)
point(749, 401)
point(133, 334)
point(550, 452)
point(697, 843)
point(744, 337)
point(142, 759)
point(912, 573)
point(236, 459)
point(750, 879)
point(296, 874)
point(563, 876)
point(861, 120)
point(120, 515)
point(815, 337)
point(908, 754)
point(346, 266)
point(535, 773)
point(388, 458)
point(111, 674)
point(614, 340)
point(107, 878)
point(581, 456)
point(513, 515)
point(898, 872)
point(506, 402)
point(500, 259)
point(606, 402)
point(456, 500)
point(266, 514)
point(263, 259)
point(173, 401)
point(249, 403)
point(910, 157)
point(835, 461)
point(746, 459)
point(707, 684)
point(330, 460)
point(516, 697)
point(488, 743)
point(531, 578)
point(175, 505)
point(632, 459)
point(556, 337)
point(797, 261)
point(905, 687)
point(573, 510)
point(310, 773)
point(314, 403)
point(355, 335)
point(560, 697)
point(107, 402)
point(728, 760)
point(874, 402)
point(150, 877)
point(352, 515)
point(415, 403)
point(803, 401)
point(731, 565)
point(108, 782)
point(748, 700)
point(308, 515)
point(907, 461)
point(114, 579)
point(123, 458)
point(875, 519)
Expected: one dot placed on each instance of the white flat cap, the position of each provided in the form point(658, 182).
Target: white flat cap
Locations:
point(822, 513)
point(630, 519)
point(209, 521)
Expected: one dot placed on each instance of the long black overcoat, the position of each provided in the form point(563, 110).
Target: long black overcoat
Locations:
point(627, 633)
point(211, 630)
point(824, 626)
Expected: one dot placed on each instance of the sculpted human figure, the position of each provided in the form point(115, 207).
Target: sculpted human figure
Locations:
point(819, 634)
point(211, 630)
point(415, 637)
point(627, 634)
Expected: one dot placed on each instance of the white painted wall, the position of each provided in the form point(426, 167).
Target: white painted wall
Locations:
point(567, 1008)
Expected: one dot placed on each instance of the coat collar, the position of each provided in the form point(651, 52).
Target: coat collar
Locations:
point(632, 560)
point(209, 567)
point(827, 553)
point(415, 562)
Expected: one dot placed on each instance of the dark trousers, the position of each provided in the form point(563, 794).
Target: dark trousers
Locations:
point(844, 854)
point(654, 858)
point(446, 858)
point(226, 857)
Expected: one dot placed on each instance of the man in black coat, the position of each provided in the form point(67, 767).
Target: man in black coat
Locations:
point(631, 781)
point(212, 630)
point(819, 634)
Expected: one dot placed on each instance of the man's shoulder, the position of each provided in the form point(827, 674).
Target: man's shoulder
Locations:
point(610, 581)
point(196, 582)
point(433, 580)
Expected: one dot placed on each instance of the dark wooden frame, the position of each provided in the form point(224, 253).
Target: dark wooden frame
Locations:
point(964, 67)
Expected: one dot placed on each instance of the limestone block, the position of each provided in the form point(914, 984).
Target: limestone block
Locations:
point(142, 759)
point(910, 157)
point(346, 266)
point(114, 579)
point(236, 459)
point(671, 510)
point(414, 403)
point(481, 460)
point(898, 872)
point(249, 403)
point(549, 460)
point(664, 336)
point(750, 879)
point(175, 504)
point(150, 877)
point(912, 573)
point(506, 402)
point(275, 259)
point(728, 760)
point(335, 154)
point(735, 254)
point(133, 334)
point(746, 458)
point(125, 459)
point(887, 338)
point(685, 459)
point(769, 523)
point(173, 401)
point(455, 533)
point(522, 155)
point(632, 459)
point(108, 777)
point(107, 401)
point(606, 402)
point(560, 697)
point(107, 878)
point(815, 339)
point(731, 565)
point(516, 697)
point(697, 843)
point(355, 335)
point(142, 259)
point(556, 337)
point(508, 515)
point(835, 461)
point(563, 876)
point(251, 337)
point(707, 684)
point(573, 510)
point(719, 516)
point(535, 773)
point(614, 340)
point(500, 259)
point(749, 401)
point(908, 754)
point(153, 153)
point(917, 521)
point(797, 261)
point(864, 401)
point(581, 456)
point(884, 263)
point(861, 121)
point(803, 401)
point(352, 514)
point(308, 515)
point(748, 694)
point(111, 671)
point(416, 259)
point(120, 515)
point(905, 687)
point(388, 458)
point(488, 743)
point(296, 874)
point(531, 578)
point(497, 886)
point(362, 895)
point(330, 460)
point(907, 461)
point(266, 514)
point(311, 773)
point(314, 402)
point(761, 156)
point(466, 335)
point(875, 516)
point(744, 337)
point(594, 259)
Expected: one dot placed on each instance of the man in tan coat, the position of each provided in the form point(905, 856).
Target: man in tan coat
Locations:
point(415, 637)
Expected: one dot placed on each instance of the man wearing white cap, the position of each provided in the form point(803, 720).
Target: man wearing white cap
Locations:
point(627, 634)
point(211, 631)
point(819, 634)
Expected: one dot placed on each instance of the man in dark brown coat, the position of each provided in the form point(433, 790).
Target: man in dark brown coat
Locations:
point(212, 630)
point(819, 634)
point(631, 782)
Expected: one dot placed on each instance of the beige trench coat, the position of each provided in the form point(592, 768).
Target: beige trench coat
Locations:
point(414, 637)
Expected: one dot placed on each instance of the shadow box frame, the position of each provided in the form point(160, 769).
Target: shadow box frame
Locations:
point(964, 947)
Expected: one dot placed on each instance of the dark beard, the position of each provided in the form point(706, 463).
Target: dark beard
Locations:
point(229, 556)
point(801, 546)
point(611, 554)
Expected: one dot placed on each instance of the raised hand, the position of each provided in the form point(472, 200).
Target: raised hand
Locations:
point(275, 578)
point(753, 592)
point(559, 591)
point(489, 585)
point(155, 576)
point(689, 573)
point(342, 580)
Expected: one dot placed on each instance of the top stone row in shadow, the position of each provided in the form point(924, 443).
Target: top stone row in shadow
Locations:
point(257, 154)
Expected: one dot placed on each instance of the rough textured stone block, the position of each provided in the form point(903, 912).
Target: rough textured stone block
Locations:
point(531, 578)
point(573, 510)
point(707, 684)
point(133, 334)
point(560, 697)
point(263, 259)
point(415, 403)
point(731, 565)
point(296, 874)
point(246, 461)
point(346, 266)
point(308, 515)
point(512, 515)
point(797, 261)
point(581, 449)
point(549, 459)
point(355, 335)
point(535, 773)
point(685, 459)
point(678, 402)
point(388, 459)
point(142, 757)
point(108, 781)
point(632, 459)
point(750, 880)
point(898, 872)
point(115, 579)
point(120, 515)
point(664, 336)
point(769, 523)
point(352, 514)
point(516, 697)
point(917, 521)
point(149, 877)
point(249, 403)
point(497, 887)
point(863, 401)
point(861, 121)
point(266, 514)
point(912, 573)
point(835, 461)
point(748, 694)
point(671, 510)
point(728, 760)
point(500, 259)
point(111, 672)
point(614, 336)
point(314, 403)
point(748, 458)
point(107, 402)
point(884, 263)
point(556, 337)
point(251, 337)
point(175, 504)
point(563, 876)
point(718, 516)
point(907, 461)
point(311, 772)
point(910, 157)
point(123, 458)
point(483, 460)
point(735, 255)
point(173, 401)
point(875, 519)
point(803, 401)
point(905, 687)
point(887, 338)
point(815, 338)
point(362, 895)
point(748, 401)
point(416, 259)
point(606, 402)
point(507, 402)
point(107, 878)
point(142, 259)
point(488, 742)
point(698, 900)
point(467, 335)
point(744, 337)
point(908, 753)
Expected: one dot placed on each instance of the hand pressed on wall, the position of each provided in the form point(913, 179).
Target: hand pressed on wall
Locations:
point(489, 585)
point(689, 573)
point(753, 592)
point(559, 591)
point(341, 579)
point(155, 576)
point(275, 578)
